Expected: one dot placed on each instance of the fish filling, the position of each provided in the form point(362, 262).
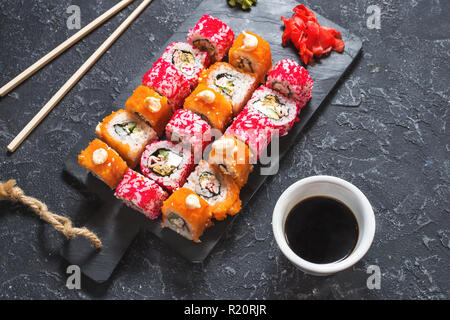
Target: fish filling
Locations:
point(245, 64)
point(209, 185)
point(271, 107)
point(284, 90)
point(178, 223)
point(205, 45)
point(126, 129)
point(184, 61)
point(164, 162)
point(226, 83)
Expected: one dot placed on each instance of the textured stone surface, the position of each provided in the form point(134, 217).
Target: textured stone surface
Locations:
point(384, 129)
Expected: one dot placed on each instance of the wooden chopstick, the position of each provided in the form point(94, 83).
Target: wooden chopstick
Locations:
point(75, 78)
point(62, 47)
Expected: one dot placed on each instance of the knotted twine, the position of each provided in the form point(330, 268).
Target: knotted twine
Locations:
point(9, 191)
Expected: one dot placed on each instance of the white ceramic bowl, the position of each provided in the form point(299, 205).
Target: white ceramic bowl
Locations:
point(334, 188)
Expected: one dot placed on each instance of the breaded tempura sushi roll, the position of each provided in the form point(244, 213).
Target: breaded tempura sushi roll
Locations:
point(141, 193)
point(218, 189)
point(211, 106)
point(188, 60)
point(103, 162)
point(165, 79)
point(253, 128)
point(213, 36)
point(235, 85)
point(187, 214)
point(232, 157)
point(191, 130)
point(292, 80)
point(151, 107)
point(251, 53)
point(167, 163)
point(127, 134)
point(278, 109)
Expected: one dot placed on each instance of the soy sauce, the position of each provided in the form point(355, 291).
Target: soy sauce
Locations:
point(321, 230)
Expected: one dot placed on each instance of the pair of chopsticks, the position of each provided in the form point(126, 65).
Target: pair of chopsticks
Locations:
point(79, 73)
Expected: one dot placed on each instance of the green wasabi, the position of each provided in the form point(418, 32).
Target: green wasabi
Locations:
point(245, 4)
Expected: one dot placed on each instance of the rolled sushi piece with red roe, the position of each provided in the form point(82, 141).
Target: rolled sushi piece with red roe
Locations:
point(168, 81)
point(191, 130)
point(252, 128)
point(141, 194)
point(189, 60)
point(292, 80)
point(213, 36)
point(167, 163)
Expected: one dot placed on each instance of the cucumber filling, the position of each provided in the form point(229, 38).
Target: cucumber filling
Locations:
point(209, 185)
point(226, 83)
point(126, 129)
point(184, 61)
point(178, 223)
point(271, 107)
point(164, 162)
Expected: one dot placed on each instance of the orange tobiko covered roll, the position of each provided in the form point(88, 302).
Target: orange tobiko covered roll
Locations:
point(187, 214)
point(251, 53)
point(151, 107)
point(103, 162)
point(211, 106)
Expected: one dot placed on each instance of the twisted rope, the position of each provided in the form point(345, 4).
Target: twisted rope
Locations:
point(9, 191)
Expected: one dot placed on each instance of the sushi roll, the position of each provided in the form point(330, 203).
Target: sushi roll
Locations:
point(291, 80)
point(252, 128)
point(211, 106)
point(167, 163)
point(235, 85)
point(213, 36)
point(103, 162)
point(219, 190)
point(127, 134)
point(191, 130)
point(165, 79)
point(251, 53)
point(232, 157)
point(279, 110)
point(151, 107)
point(187, 214)
point(188, 60)
point(141, 194)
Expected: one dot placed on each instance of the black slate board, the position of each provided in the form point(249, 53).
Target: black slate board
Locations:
point(118, 225)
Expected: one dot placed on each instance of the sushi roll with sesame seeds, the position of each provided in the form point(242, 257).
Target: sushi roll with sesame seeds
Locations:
point(141, 194)
point(191, 130)
point(292, 80)
point(167, 163)
point(151, 107)
point(218, 189)
point(213, 36)
point(165, 79)
point(235, 85)
point(187, 214)
point(126, 133)
point(103, 162)
point(189, 60)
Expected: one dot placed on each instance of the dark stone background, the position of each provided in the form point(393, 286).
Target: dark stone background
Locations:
point(385, 129)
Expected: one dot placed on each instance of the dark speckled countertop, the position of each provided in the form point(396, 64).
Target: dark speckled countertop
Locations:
point(384, 128)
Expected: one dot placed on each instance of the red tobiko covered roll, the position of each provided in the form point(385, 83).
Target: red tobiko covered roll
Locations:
point(253, 128)
point(168, 81)
point(141, 193)
point(291, 80)
point(211, 35)
point(189, 129)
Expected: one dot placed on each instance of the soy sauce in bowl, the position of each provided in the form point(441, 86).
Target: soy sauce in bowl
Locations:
point(321, 230)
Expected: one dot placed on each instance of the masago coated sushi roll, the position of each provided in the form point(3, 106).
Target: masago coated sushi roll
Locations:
point(187, 214)
point(188, 60)
point(141, 193)
point(233, 157)
point(251, 53)
point(191, 130)
point(292, 80)
point(278, 109)
point(211, 106)
point(165, 79)
point(167, 163)
point(127, 134)
point(213, 36)
point(103, 162)
point(254, 129)
point(235, 85)
point(219, 190)
point(151, 107)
